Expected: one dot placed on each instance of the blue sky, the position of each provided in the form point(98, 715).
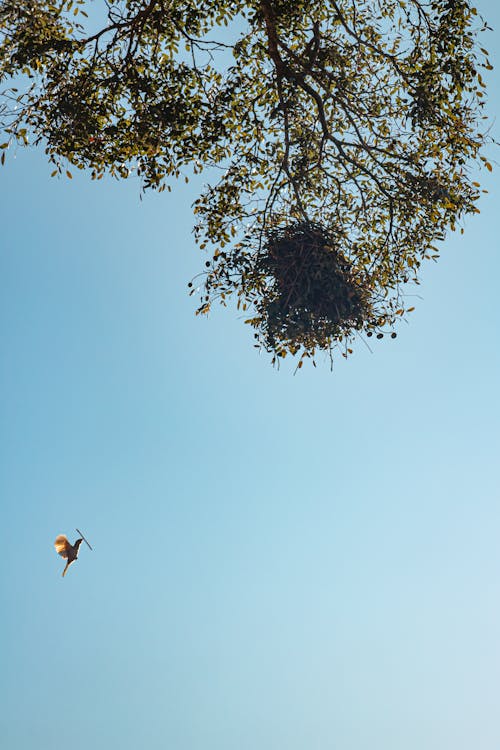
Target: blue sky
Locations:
point(279, 562)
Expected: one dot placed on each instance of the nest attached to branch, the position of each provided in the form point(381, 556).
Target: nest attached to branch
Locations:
point(314, 295)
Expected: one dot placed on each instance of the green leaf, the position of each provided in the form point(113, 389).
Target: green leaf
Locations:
point(303, 129)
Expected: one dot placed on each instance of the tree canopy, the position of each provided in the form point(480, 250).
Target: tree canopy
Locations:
point(339, 137)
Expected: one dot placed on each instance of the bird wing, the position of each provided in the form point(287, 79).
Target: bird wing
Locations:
point(62, 545)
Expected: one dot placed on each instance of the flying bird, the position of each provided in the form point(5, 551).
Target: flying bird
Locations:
point(67, 550)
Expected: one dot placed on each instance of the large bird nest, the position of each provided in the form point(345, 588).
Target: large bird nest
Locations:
point(315, 297)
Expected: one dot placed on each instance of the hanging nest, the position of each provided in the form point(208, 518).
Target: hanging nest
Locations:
point(314, 295)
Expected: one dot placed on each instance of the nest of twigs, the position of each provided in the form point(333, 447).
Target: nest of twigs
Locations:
point(314, 296)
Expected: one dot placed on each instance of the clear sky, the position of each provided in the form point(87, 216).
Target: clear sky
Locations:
point(280, 563)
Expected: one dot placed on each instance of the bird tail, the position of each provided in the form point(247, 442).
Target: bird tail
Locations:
point(65, 569)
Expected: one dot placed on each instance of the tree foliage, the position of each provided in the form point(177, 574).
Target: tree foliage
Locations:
point(340, 136)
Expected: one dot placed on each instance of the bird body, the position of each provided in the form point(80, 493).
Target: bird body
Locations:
point(67, 550)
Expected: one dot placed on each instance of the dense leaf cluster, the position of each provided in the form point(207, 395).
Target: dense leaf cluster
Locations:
point(361, 117)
